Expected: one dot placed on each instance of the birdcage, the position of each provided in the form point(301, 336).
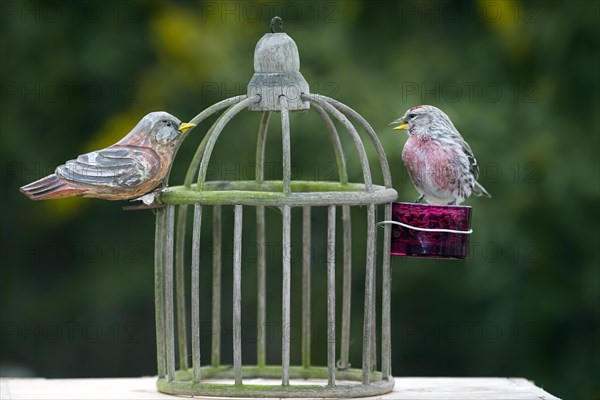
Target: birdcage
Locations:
point(276, 87)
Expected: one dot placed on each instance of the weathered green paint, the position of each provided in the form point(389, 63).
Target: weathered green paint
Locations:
point(267, 194)
point(275, 186)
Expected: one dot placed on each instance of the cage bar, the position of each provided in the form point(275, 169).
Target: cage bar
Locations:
point(196, 292)
point(159, 293)
point(386, 348)
point(237, 294)
point(216, 288)
point(346, 289)
point(261, 313)
point(331, 295)
point(168, 260)
point(369, 278)
point(286, 245)
point(180, 286)
point(306, 286)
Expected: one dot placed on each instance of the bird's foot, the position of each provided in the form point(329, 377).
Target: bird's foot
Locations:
point(150, 198)
point(421, 199)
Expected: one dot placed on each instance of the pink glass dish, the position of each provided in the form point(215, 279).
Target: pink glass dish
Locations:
point(415, 243)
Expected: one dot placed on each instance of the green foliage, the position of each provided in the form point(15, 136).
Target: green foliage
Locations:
point(516, 78)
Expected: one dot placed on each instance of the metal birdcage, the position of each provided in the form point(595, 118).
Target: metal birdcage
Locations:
point(276, 87)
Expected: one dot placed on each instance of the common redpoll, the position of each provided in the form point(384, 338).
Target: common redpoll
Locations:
point(440, 163)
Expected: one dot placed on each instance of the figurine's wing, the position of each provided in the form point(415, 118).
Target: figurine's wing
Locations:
point(116, 166)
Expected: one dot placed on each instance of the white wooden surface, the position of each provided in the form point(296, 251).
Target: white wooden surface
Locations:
point(144, 388)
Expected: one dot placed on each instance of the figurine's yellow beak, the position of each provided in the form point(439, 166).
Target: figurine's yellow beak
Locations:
point(185, 127)
point(403, 125)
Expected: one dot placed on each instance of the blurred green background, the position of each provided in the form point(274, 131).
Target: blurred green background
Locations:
point(519, 79)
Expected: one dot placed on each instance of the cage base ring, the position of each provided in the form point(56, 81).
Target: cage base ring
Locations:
point(183, 385)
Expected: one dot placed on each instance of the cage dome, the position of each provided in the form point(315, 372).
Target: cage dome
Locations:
point(277, 87)
point(276, 73)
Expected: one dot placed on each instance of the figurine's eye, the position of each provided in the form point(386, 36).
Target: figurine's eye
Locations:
point(411, 116)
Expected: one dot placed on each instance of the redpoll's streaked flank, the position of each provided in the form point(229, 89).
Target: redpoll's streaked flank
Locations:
point(440, 163)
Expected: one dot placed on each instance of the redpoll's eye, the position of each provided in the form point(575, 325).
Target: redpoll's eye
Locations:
point(411, 116)
point(168, 123)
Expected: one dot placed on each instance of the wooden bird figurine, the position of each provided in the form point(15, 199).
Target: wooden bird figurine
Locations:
point(130, 168)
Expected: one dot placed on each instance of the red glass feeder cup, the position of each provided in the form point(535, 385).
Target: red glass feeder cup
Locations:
point(434, 231)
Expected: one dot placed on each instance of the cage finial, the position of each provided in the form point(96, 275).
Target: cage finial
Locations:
point(275, 19)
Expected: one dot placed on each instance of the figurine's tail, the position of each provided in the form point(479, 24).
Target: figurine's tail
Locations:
point(50, 187)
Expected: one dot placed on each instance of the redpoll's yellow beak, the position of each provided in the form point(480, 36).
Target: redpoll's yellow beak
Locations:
point(185, 127)
point(403, 125)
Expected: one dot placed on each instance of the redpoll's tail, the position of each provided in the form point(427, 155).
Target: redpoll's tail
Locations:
point(50, 187)
point(479, 190)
